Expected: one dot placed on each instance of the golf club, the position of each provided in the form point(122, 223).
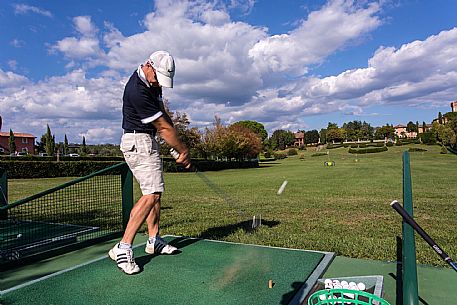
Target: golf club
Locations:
point(397, 207)
point(256, 221)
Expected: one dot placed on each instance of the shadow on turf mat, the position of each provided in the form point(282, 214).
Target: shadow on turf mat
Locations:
point(141, 261)
point(287, 297)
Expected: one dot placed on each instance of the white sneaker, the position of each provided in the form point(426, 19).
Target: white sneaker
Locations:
point(124, 259)
point(160, 247)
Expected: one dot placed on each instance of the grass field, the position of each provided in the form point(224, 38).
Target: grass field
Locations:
point(343, 209)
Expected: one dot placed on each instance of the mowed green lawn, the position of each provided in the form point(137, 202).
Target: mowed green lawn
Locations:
point(343, 208)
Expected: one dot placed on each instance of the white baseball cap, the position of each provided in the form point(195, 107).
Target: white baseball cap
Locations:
point(164, 65)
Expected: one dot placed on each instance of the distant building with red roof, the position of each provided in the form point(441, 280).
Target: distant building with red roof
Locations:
point(25, 142)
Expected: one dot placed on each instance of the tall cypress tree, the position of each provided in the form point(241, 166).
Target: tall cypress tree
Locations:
point(48, 145)
point(84, 148)
point(53, 144)
point(65, 145)
point(11, 143)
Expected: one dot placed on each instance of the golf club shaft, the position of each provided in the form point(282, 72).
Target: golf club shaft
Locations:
point(228, 200)
point(406, 217)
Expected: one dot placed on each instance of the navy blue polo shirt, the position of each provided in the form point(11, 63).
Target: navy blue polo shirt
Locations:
point(141, 105)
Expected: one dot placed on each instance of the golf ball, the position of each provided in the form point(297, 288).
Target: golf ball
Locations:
point(353, 286)
point(361, 286)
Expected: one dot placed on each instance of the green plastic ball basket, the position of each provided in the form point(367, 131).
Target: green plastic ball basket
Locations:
point(345, 297)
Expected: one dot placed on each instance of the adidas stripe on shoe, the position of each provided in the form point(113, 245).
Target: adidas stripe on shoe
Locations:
point(124, 259)
point(160, 246)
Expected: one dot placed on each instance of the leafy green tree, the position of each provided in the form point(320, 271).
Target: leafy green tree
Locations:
point(385, 132)
point(444, 134)
point(336, 134)
point(323, 135)
point(11, 143)
point(440, 118)
point(256, 127)
point(353, 130)
point(231, 142)
point(411, 127)
point(280, 139)
point(311, 136)
point(428, 137)
point(331, 125)
point(40, 146)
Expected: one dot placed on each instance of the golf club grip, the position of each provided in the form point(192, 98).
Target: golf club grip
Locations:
point(406, 217)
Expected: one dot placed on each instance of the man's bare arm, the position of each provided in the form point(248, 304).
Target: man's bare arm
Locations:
point(170, 136)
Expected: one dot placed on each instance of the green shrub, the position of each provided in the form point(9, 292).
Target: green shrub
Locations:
point(292, 152)
point(428, 138)
point(367, 150)
point(279, 155)
point(389, 144)
point(443, 150)
point(332, 146)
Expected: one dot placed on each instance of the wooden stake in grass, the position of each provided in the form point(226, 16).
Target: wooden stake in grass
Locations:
point(270, 284)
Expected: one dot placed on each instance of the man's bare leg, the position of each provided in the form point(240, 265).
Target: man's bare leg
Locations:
point(153, 218)
point(156, 244)
point(138, 215)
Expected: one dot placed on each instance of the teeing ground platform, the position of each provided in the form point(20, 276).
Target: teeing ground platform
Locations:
point(205, 272)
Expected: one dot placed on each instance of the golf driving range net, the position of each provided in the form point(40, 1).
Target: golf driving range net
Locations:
point(81, 211)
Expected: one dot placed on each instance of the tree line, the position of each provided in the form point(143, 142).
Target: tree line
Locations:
point(246, 139)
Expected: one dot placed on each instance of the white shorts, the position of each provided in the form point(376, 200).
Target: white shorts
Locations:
point(141, 152)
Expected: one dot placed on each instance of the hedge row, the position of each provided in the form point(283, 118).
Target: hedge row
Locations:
point(413, 149)
point(51, 169)
point(61, 158)
point(407, 141)
point(367, 150)
point(319, 154)
point(365, 145)
point(332, 146)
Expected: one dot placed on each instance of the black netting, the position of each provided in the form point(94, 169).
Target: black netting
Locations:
point(87, 210)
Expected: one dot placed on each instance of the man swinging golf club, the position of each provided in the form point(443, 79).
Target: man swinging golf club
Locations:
point(143, 116)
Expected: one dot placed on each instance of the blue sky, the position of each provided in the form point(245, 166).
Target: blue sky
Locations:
point(289, 65)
